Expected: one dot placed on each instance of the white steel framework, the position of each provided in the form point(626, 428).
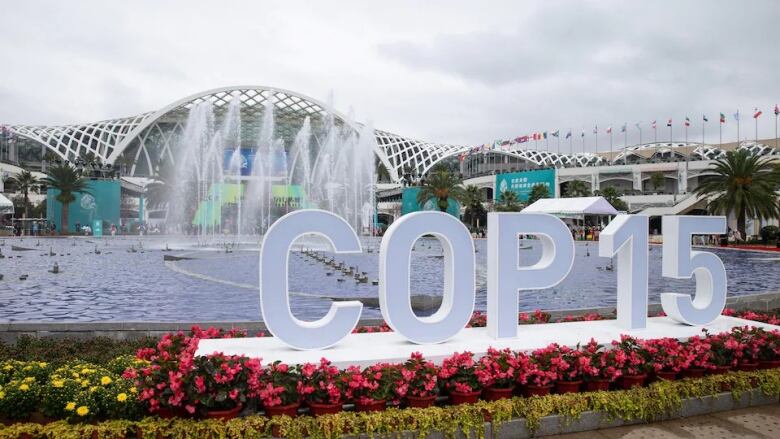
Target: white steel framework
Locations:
point(143, 141)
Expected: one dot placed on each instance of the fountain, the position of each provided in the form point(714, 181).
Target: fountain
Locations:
point(218, 196)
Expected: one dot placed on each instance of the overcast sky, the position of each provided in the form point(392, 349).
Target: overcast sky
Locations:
point(463, 72)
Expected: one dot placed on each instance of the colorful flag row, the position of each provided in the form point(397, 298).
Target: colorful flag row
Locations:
point(543, 135)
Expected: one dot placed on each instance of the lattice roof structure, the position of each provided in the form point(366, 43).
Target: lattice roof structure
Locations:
point(144, 140)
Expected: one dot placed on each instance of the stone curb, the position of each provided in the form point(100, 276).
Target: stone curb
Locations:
point(591, 420)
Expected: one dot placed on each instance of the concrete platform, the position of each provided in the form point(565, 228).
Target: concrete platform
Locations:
point(367, 349)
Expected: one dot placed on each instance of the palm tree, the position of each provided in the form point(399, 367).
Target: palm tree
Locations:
point(509, 202)
point(612, 196)
point(577, 189)
point(473, 202)
point(441, 185)
point(25, 182)
point(744, 184)
point(69, 182)
point(538, 191)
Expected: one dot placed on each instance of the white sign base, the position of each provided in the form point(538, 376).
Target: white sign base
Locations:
point(367, 349)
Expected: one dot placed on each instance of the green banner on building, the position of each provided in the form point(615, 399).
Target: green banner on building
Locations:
point(100, 203)
point(521, 183)
point(409, 203)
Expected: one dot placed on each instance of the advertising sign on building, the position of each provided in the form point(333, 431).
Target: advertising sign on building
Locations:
point(409, 203)
point(522, 183)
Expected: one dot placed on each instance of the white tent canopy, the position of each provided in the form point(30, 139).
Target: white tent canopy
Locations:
point(6, 206)
point(572, 206)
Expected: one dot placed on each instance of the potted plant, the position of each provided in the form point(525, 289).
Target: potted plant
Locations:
point(570, 365)
point(597, 372)
point(458, 373)
point(769, 348)
point(322, 388)
point(750, 343)
point(542, 371)
point(669, 357)
point(723, 350)
point(371, 388)
point(160, 381)
point(632, 359)
point(281, 390)
point(698, 353)
point(498, 371)
point(218, 384)
point(418, 383)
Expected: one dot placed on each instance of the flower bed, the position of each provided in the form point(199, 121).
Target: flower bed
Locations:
point(660, 399)
point(169, 381)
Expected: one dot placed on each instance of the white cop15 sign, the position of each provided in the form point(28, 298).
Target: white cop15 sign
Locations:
point(625, 237)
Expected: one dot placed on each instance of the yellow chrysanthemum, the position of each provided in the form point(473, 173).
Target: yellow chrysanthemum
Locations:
point(24, 387)
point(2, 394)
point(7, 367)
point(28, 380)
point(75, 375)
point(105, 381)
point(27, 368)
point(43, 364)
point(70, 406)
point(133, 390)
point(58, 383)
point(92, 389)
point(85, 383)
point(122, 397)
point(82, 411)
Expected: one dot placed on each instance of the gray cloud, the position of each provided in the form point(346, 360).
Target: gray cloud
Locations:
point(450, 71)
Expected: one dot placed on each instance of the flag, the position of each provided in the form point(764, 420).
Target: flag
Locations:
point(568, 134)
point(756, 113)
point(736, 116)
point(652, 124)
point(556, 133)
point(638, 125)
point(687, 121)
point(704, 118)
point(583, 133)
point(722, 118)
point(609, 129)
point(669, 122)
point(596, 129)
point(544, 135)
point(623, 128)
point(521, 139)
point(777, 110)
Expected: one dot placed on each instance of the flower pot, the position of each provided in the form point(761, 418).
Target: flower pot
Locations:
point(318, 409)
point(290, 410)
point(693, 372)
point(534, 390)
point(373, 406)
point(768, 364)
point(666, 375)
point(719, 370)
point(420, 401)
point(224, 415)
point(629, 381)
point(457, 398)
point(568, 386)
point(597, 385)
point(745, 366)
point(171, 412)
point(496, 393)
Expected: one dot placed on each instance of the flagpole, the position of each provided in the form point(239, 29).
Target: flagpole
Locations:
point(702, 131)
point(756, 118)
point(558, 137)
point(776, 147)
point(720, 133)
point(737, 128)
point(610, 145)
point(571, 138)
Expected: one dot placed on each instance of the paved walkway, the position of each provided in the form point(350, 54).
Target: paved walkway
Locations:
point(754, 423)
